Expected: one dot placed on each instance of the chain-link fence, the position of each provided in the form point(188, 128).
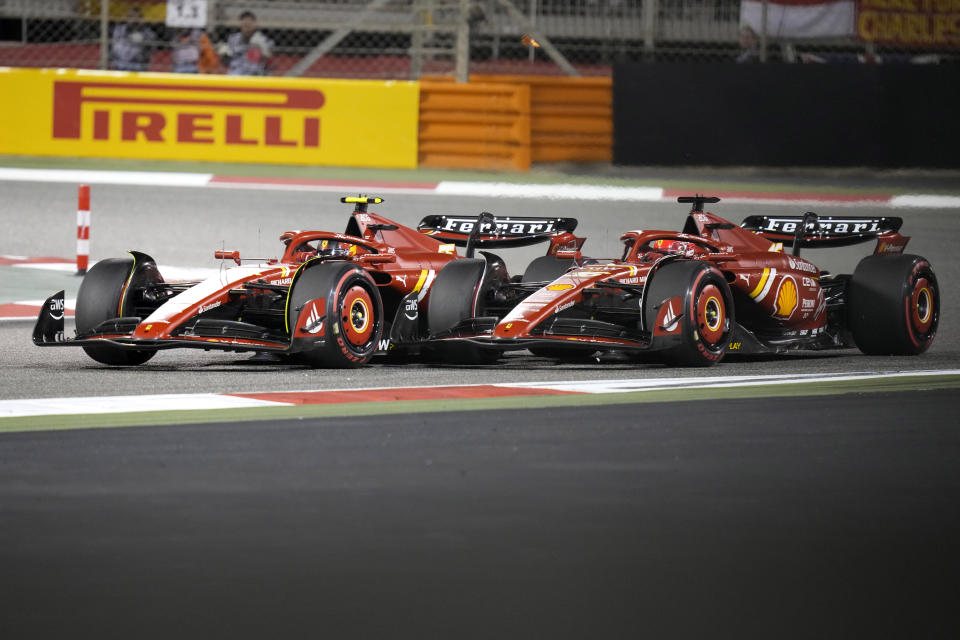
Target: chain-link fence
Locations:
point(414, 38)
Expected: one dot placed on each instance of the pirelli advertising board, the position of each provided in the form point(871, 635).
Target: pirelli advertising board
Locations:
point(359, 123)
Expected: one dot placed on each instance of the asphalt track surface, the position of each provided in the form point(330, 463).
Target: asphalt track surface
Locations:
point(790, 517)
point(744, 518)
point(182, 227)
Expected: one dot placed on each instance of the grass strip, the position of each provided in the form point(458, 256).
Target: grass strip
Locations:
point(300, 412)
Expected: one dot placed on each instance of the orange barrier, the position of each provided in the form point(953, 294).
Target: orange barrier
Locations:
point(474, 126)
point(507, 122)
point(571, 118)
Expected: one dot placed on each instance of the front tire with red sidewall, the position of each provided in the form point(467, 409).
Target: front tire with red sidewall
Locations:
point(705, 315)
point(352, 320)
point(893, 305)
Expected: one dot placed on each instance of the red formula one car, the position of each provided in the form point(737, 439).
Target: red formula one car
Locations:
point(690, 298)
point(331, 300)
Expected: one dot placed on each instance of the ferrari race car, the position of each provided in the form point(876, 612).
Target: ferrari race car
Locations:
point(331, 300)
point(690, 298)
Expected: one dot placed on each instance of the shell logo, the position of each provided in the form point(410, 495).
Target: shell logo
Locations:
point(559, 287)
point(786, 298)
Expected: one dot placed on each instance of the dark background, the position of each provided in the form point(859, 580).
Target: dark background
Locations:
point(786, 115)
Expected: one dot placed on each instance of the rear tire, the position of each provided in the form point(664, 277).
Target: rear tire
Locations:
point(893, 305)
point(706, 313)
point(458, 293)
point(546, 269)
point(352, 312)
point(101, 297)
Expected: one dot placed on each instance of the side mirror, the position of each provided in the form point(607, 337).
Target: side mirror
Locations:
point(227, 255)
point(574, 255)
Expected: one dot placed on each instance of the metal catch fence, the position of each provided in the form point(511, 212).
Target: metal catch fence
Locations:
point(408, 39)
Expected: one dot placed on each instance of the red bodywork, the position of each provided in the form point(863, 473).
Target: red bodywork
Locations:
point(781, 300)
point(252, 308)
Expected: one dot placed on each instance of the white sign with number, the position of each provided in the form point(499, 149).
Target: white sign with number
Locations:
point(186, 13)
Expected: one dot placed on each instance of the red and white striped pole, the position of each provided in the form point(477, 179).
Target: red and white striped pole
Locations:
point(83, 228)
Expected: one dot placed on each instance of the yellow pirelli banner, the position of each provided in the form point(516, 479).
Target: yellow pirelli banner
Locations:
point(108, 114)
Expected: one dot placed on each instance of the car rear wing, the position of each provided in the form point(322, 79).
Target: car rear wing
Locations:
point(811, 230)
point(489, 231)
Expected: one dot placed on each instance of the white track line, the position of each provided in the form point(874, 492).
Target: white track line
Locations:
point(926, 202)
point(660, 384)
point(126, 404)
point(83, 176)
point(179, 402)
point(450, 187)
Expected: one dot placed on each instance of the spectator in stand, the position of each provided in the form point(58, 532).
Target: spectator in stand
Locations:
point(191, 52)
point(749, 45)
point(248, 51)
point(132, 43)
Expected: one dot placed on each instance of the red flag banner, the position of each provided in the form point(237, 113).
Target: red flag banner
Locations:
point(914, 23)
point(801, 18)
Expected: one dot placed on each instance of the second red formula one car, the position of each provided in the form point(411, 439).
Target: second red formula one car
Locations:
point(331, 300)
point(715, 288)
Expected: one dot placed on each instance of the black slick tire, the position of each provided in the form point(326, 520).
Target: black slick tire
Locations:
point(456, 295)
point(546, 269)
point(101, 297)
point(893, 305)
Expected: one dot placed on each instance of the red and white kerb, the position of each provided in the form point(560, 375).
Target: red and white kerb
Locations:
point(83, 228)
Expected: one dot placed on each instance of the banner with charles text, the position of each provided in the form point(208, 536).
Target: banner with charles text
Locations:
point(910, 23)
point(58, 112)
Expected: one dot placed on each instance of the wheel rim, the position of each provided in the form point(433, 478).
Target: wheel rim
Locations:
point(711, 315)
point(357, 320)
point(922, 305)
